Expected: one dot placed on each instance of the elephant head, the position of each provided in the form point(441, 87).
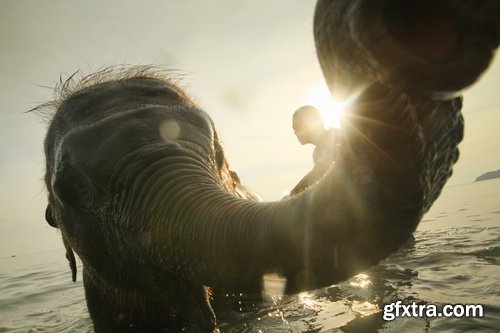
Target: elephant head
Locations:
point(140, 187)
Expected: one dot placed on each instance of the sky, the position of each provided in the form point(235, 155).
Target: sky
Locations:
point(249, 64)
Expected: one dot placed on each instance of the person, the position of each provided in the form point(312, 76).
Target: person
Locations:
point(309, 128)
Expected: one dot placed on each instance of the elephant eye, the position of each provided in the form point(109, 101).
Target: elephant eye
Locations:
point(71, 186)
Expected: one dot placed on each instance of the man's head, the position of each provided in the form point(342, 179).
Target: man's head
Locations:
point(308, 124)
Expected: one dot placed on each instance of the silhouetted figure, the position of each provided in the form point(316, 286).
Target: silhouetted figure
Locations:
point(309, 128)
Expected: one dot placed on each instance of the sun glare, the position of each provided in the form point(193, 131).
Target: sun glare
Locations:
point(329, 108)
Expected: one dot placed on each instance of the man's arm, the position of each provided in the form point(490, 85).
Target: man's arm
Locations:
point(322, 164)
point(312, 177)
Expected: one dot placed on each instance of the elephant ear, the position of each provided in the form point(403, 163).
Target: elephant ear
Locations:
point(49, 217)
point(71, 258)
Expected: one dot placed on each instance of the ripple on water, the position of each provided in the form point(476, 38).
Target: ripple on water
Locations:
point(41, 297)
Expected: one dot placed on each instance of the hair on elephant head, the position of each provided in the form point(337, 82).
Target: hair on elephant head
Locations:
point(140, 187)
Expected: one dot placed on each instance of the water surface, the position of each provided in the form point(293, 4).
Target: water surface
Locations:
point(455, 258)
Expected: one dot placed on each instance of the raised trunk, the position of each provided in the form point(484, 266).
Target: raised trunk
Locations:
point(425, 47)
point(395, 157)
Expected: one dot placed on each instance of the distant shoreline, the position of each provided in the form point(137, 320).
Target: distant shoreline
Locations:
point(488, 175)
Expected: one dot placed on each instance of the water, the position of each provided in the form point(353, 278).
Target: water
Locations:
point(455, 258)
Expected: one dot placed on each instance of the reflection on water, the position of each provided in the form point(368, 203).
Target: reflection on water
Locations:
point(454, 258)
point(360, 281)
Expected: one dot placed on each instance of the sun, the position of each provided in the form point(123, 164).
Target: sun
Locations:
point(329, 108)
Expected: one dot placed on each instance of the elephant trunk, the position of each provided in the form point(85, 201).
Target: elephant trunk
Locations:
point(192, 226)
point(395, 157)
point(429, 48)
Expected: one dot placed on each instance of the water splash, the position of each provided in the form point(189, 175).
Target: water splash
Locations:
point(273, 290)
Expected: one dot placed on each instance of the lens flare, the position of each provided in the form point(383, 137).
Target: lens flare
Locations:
point(170, 130)
point(273, 286)
point(329, 108)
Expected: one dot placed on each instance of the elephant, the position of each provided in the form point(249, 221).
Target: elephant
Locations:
point(140, 187)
